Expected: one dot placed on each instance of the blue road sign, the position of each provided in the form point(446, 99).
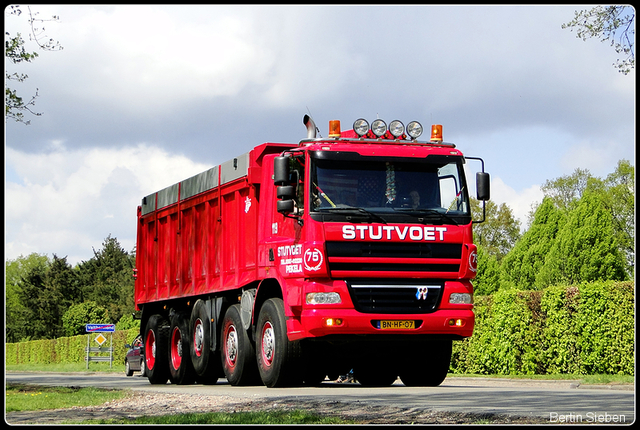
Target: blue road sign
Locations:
point(97, 328)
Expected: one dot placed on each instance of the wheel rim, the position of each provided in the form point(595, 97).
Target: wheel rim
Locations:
point(268, 343)
point(176, 348)
point(231, 346)
point(150, 348)
point(198, 337)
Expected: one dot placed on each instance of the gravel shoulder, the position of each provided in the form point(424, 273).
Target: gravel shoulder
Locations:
point(146, 404)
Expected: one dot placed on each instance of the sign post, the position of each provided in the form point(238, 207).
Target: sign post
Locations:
point(100, 339)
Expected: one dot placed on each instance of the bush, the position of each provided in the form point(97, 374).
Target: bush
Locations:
point(66, 349)
point(586, 330)
point(78, 316)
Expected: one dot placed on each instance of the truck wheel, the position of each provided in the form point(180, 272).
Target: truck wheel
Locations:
point(427, 366)
point(275, 354)
point(180, 367)
point(200, 341)
point(237, 353)
point(156, 345)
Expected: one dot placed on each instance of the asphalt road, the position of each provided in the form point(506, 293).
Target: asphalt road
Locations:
point(557, 401)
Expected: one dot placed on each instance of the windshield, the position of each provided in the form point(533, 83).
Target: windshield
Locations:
point(390, 187)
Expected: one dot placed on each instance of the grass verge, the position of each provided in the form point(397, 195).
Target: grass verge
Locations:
point(259, 417)
point(24, 397)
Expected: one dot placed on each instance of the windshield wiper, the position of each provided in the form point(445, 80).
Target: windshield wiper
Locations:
point(362, 211)
point(427, 212)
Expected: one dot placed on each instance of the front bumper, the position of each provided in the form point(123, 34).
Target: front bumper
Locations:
point(314, 323)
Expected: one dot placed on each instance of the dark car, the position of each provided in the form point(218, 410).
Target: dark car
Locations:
point(134, 361)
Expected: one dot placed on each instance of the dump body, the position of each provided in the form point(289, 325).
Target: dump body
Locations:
point(359, 240)
point(201, 235)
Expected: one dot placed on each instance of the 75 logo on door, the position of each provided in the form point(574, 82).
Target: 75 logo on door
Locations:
point(313, 259)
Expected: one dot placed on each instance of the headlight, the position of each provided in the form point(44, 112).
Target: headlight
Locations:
point(461, 299)
point(379, 127)
point(361, 127)
point(323, 298)
point(414, 129)
point(396, 128)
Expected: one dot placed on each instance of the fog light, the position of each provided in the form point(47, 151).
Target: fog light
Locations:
point(323, 298)
point(333, 322)
point(456, 322)
point(461, 299)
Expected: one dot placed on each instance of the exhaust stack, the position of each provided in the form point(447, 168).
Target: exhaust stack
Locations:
point(311, 127)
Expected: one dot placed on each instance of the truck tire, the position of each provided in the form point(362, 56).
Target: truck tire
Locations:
point(180, 367)
point(426, 365)
point(202, 358)
point(277, 357)
point(238, 356)
point(156, 346)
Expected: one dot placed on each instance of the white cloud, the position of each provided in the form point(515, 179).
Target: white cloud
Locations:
point(156, 58)
point(70, 201)
point(520, 202)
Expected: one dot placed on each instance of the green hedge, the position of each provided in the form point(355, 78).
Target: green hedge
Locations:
point(585, 330)
point(66, 349)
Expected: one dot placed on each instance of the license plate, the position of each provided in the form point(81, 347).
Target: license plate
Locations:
point(397, 324)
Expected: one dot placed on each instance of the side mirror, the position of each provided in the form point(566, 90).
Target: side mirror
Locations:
point(285, 192)
point(281, 170)
point(285, 206)
point(482, 186)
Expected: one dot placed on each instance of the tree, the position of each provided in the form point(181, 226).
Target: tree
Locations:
point(617, 192)
point(487, 280)
point(500, 230)
point(608, 23)
point(76, 318)
point(15, 52)
point(18, 313)
point(620, 199)
point(585, 249)
point(32, 283)
point(565, 191)
point(108, 278)
point(521, 266)
point(59, 292)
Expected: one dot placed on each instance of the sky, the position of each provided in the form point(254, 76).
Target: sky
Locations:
point(142, 97)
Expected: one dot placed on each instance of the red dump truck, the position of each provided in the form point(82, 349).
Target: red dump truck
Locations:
point(294, 262)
